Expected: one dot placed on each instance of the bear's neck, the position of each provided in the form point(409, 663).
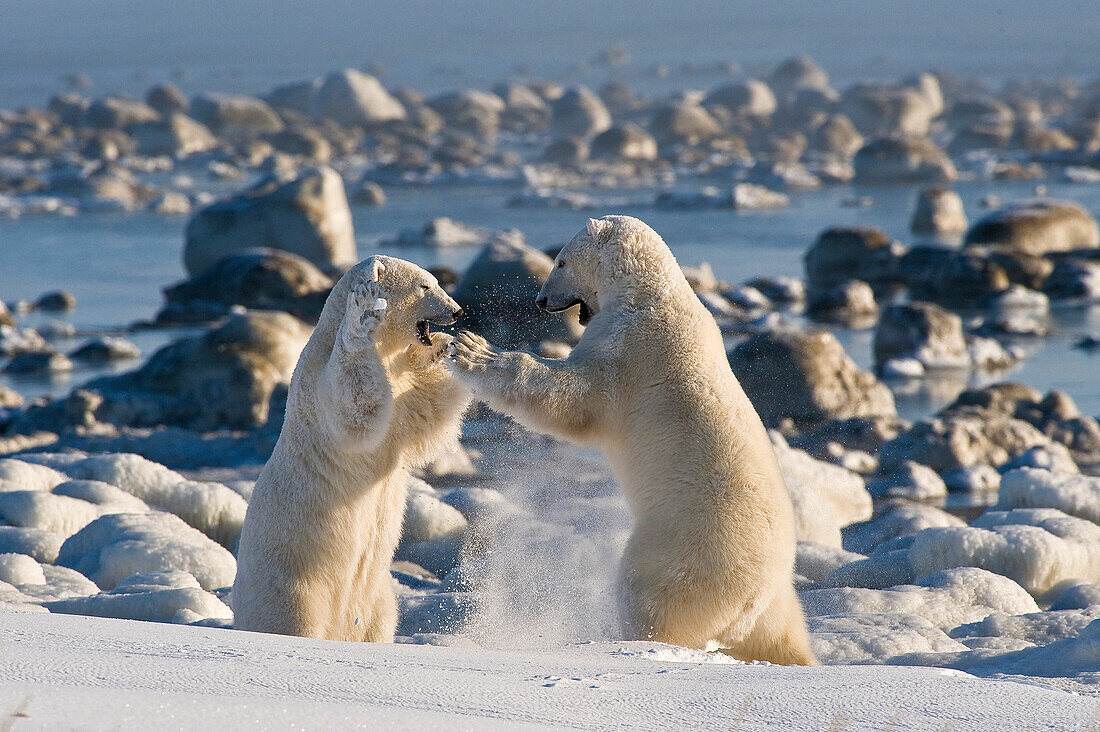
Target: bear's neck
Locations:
point(645, 281)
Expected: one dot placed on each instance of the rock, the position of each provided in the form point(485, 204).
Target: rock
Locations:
point(685, 123)
point(429, 519)
point(106, 349)
point(910, 480)
point(104, 187)
point(752, 197)
point(222, 379)
point(780, 289)
point(235, 115)
point(938, 211)
point(167, 99)
point(115, 546)
point(367, 193)
point(470, 110)
point(38, 363)
point(10, 398)
point(1073, 494)
point(889, 110)
point(261, 279)
point(626, 141)
point(354, 99)
point(116, 113)
point(579, 112)
point(566, 151)
point(972, 479)
point(752, 98)
point(807, 378)
point(903, 160)
point(797, 73)
point(1036, 227)
point(844, 253)
point(303, 142)
point(307, 215)
point(175, 135)
point(952, 277)
point(56, 301)
point(6, 319)
point(851, 302)
point(443, 232)
point(922, 331)
point(498, 292)
point(524, 110)
point(1073, 279)
point(296, 96)
point(837, 135)
point(165, 596)
point(69, 108)
point(978, 110)
point(1078, 596)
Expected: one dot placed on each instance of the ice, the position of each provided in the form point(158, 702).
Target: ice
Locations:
point(868, 637)
point(1080, 595)
point(427, 519)
point(815, 561)
point(877, 572)
point(161, 596)
point(60, 515)
point(826, 497)
point(945, 599)
point(19, 569)
point(1077, 495)
point(1034, 628)
point(117, 545)
point(1038, 548)
point(21, 475)
point(38, 543)
point(897, 520)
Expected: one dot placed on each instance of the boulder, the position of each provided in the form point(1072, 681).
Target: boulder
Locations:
point(797, 73)
point(903, 160)
point(626, 141)
point(106, 349)
point(167, 99)
point(115, 113)
point(235, 115)
point(1074, 279)
point(843, 253)
point(837, 135)
point(938, 211)
point(498, 292)
point(751, 98)
point(806, 378)
point(1036, 227)
point(685, 123)
point(175, 134)
point(307, 215)
point(579, 112)
point(354, 99)
point(295, 96)
point(922, 331)
point(470, 110)
point(887, 109)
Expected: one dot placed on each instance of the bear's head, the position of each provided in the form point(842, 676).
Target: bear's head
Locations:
point(414, 300)
point(612, 258)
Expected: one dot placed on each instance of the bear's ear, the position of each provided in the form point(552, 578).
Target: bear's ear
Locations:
point(598, 229)
point(376, 270)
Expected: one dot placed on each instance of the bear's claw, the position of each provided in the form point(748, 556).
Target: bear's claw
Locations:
point(366, 309)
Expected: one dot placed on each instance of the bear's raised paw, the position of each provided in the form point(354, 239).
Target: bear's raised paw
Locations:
point(366, 309)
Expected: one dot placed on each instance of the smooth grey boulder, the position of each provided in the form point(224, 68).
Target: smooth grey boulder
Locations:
point(235, 115)
point(579, 112)
point(1036, 227)
point(938, 211)
point(903, 160)
point(354, 99)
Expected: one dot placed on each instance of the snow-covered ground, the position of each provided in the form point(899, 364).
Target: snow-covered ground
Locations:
point(68, 671)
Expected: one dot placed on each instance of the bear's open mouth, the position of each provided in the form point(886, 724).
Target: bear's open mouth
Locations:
point(423, 332)
point(586, 312)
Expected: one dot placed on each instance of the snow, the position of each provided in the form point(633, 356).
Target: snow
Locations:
point(164, 596)
point(38, 543)
point(864, 637)
point(1077, 495)
point(68, 671)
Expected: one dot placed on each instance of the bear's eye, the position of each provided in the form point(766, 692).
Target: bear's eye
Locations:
point(561, 263)
point(425, 288)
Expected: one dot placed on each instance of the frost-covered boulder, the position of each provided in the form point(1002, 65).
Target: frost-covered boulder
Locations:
point(1076, 495)
point(118, 545)
point(751, 98)
point(945, 599)
point(903, 160)
point(221, 379)
point(354, 99)
point(61, 515)
point(938, 211)
point(867, 637)
point(843, 253)
point(470, 110)
point(235, 115)
point(1038, 548)
point(897, 520)
point(498, 291)
point(807, 378)
point(836, 135)
point(175, 134)
point(1031, 628)
point(626, 141)
point(825, 497)
point(166, 596)
point(910, 480)
point(40, 544)
point(1036, 227)
point(22, 475)
point(922, 331)
point(579, 112)
point(684, 123)
point(814, 561)
point(307, 215)
point(427, 519)
point(264, 279)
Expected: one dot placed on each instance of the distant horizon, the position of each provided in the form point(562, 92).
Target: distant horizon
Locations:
point(124, 45)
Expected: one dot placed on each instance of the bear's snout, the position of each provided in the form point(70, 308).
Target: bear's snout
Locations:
point(541, 302)
point(458, 313)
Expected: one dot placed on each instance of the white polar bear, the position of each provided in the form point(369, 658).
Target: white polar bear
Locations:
point(370, 397)
point(711, 556)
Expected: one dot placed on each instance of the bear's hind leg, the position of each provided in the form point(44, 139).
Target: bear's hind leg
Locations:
point(381, 621)
point(779, 635)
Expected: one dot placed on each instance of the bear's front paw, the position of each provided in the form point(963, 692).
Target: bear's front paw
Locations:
point(470, 352)
point(366, 309)
point(422, 356)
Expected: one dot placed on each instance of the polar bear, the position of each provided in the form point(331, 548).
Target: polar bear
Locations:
point(370, 398)
point(710, 559)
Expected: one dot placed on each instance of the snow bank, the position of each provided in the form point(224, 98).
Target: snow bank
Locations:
point(896, 520)
point(162, 596)
point(945, 599)
point(815, 561)
point(38, 543)
point(826, 497)
point(1038, 548)
point(22, 475)
point(1033, 628)
point(868, 637)
point(118, 545)
point(43, 510)
point(1077, 495)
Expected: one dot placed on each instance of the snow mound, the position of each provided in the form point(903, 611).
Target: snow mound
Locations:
point(41, 544)
point(898, 520)
point(212, 508)
point(1038, 548)
point(826, 497)
point(1077, 495)
point(61, 515)
point(877, 572)
point(170, 596)
point(19, 569)
point(118, 545)
point(945, 599)
point(870, 637)
point(22, 475)
point(427, 519)
point(1034, 628)
point(816, 561)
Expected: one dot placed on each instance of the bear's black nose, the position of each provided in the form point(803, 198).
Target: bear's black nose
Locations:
point(459, 313)
point(541, 302)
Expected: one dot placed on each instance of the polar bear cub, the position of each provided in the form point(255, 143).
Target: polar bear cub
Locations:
point(711, 555)
point(370, 397)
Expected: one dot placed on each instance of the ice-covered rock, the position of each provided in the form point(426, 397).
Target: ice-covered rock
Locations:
point(938, 211)
point(470, 110)
point(910, 480)
point(897, 520)
point(579, 112)
point(1074, 279)
point(978, 478)
point(106, 349)
point(626, 141)
point(1076, 495)
point(427, 519)
point(1036, 227)
point(825, 497)
point(843, 253)
point(175, 134)
point(38, 543)
point(354, 99)
point(750, 98)
point(1077, 596)
point(1038, 548)
point(61, 515)
point(307, 215)
point(753, 197)
point(814, 561)
point(116, 113)
point(235, 115)
point(23, 475)
point(161, 596)
point(118, 545)
point(684, 123)
point(851, 302)
point(903, 160)
point(946, 598)
point(876, 636)
point(890, 109)
point(444, 232)
point(797, 73)
point(807, 378)
point(1033, 628)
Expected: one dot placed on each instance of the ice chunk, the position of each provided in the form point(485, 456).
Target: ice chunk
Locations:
point(169, 596)
point(41, 544)
point(1035, 628)
point(61, 515)
point(864, 637)
point(26, 476)
point(898, 520)
point(815, 561)
point(117, 545)
point(1077, 495)
point(945, 599)
point(1038, 548)
point(19, 569)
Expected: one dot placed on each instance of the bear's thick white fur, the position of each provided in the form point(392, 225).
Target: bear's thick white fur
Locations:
point(368, 400)
point(711, 556)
